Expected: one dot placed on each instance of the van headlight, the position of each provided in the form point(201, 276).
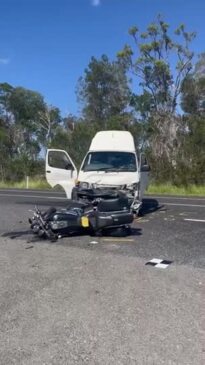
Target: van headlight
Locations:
point(134, 186)
point(83, 185)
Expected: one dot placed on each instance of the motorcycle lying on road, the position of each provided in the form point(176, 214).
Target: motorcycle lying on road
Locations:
point(97, 212)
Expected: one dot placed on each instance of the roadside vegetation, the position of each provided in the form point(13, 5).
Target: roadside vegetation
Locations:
point(32, 184)
point(166, 189)
point(154, 88)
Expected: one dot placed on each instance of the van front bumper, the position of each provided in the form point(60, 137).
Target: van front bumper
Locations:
point(131, 191)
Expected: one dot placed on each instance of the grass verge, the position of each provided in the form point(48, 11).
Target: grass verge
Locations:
point(195, 190)
point(33, 184)
point(168, 189)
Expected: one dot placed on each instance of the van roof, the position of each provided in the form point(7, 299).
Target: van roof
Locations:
point(113, 141)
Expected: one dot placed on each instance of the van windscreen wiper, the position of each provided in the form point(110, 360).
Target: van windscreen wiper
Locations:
point(115, 169)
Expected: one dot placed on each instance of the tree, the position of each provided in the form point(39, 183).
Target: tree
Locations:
point(6, 119)
point(48, 121)
point(24, 106)
point(4, 149)
point(143, 105)
point(152, 58)
point(193, 89)
point(5, 93)
point(159, 62)
point(193, 104)
point(26, 123)
point(69, 122)
point(199, 69)
point(103, 90)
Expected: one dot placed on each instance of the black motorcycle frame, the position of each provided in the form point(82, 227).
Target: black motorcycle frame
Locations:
point(102, 212)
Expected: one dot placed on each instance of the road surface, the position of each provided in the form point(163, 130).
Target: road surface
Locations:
point(79, 302)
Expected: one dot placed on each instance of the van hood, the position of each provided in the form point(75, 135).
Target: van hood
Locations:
point(109, 178)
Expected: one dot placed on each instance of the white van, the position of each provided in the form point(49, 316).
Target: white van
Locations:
point(111, 162)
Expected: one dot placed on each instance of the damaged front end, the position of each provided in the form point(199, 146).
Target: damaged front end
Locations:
point(131, 191)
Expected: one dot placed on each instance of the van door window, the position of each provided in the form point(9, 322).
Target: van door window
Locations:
point(59, 160)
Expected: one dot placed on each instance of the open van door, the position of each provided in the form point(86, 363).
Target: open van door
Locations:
point(144, 174)
point(60, 170)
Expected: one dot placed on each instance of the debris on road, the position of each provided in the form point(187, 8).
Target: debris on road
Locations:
point(159, 264)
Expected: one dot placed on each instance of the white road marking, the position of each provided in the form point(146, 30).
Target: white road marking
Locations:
point(185, 205)
point(118, 239)
point(94, 242)
point(194, 220)
point(31, 191)
point(64, 198)
point(34, 196)
point(175, 197)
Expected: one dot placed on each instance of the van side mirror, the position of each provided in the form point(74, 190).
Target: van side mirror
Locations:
point(144, 166)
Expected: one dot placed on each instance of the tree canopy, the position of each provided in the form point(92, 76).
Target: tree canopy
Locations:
point(103, 90)
point(155, 88)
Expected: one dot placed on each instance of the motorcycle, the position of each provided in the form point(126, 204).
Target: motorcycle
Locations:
point(99, 212)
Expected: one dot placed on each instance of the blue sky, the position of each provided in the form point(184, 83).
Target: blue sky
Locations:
point(45, 45)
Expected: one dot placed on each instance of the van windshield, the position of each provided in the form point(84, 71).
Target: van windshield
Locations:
point(110, 161)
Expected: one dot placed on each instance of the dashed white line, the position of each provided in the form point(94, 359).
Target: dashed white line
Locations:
point(176, 197)
point(35, 196)
point(185, 205)
point(194, 220)
point(6, 191)
point(64, 198)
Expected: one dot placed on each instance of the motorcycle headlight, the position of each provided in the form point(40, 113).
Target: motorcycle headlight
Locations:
point(58, 224)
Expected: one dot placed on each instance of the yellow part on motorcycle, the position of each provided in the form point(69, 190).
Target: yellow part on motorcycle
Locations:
point(85, 222)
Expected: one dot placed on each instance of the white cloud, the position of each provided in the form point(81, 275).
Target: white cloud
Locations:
point(4, 61)
point(95, 2)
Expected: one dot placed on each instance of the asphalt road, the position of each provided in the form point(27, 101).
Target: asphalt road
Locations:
point(78, 302)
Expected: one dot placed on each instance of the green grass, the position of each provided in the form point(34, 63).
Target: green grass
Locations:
point(33, 184)
point(169, 189)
